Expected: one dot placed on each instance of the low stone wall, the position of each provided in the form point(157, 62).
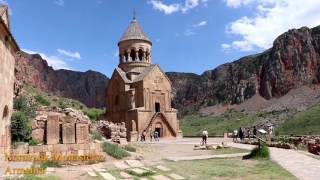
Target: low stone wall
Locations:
point(63, 149)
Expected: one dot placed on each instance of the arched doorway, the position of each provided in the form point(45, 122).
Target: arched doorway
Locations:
point(159, 128)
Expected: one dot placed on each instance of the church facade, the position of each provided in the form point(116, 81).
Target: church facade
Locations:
point(8, 48)
point(139, 92)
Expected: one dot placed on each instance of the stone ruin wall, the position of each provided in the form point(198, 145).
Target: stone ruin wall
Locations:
point(52, 123)
point(67, 131)
point(117, 132)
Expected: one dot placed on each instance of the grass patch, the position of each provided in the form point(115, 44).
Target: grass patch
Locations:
point(33, 142)
point(50, 163)
point(50, 99)
point(34, 177)
point(96, 135)
point(229, 150)
point(114, 150)
point(302, 123)
point(130, 148)
point(262, 153)
point(94, 113)
point(230, 168)
point(192, 125)
point(41, 100)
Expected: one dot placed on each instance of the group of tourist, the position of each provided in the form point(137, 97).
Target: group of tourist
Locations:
point(154, 135)
point(241, 133)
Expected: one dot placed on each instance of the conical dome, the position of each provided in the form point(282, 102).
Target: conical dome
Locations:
point(134, 32)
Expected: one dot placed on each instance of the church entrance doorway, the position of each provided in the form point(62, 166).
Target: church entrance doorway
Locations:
point(159, 129)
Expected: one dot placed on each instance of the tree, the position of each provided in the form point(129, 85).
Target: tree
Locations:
point(20, 127)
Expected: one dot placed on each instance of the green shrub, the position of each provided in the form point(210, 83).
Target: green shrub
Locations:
point(33, 142)
point(62, 104)
point(41, 100)
point(96, 135)
point(114, 150)
point(130, 148)
point(50, 163)
point(20, 127)
point(94, 113)
point(20, 104)
point(263, 153)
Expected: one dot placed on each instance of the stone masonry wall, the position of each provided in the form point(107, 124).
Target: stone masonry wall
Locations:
point(7, 63)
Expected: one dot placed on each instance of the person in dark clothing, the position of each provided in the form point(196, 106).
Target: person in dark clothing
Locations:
point(143, 136)
point(254, 131)
point(240, 133)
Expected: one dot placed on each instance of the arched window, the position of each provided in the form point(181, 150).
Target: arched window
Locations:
point(133, 55)
point(140, 54)
point(126, 56)
point(5, 112)
point(147, 55)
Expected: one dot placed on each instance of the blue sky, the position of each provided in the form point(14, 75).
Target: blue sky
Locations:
point(188, 35)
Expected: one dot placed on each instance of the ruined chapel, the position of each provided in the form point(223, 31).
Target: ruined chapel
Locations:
point(139, 92)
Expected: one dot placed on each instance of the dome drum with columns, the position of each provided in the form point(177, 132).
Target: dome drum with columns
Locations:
point(134, 48)
point(139, 92)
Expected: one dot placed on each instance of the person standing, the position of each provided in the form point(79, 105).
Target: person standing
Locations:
point(240, 134)
point(151, 134)
point(143, 136)
point(204, 136)
point(235, 135)
point(254, 131)
point(248, 133)
point(156, 136)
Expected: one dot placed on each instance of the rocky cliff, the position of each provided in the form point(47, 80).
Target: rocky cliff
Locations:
point(293, 61)
point(87, 87)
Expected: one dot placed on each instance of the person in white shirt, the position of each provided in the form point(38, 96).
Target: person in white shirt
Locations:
point(204, 136)
point(235, 135)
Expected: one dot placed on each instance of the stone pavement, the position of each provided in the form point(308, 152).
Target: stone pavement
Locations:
point(137, 167)
point(185, 158)
point(300, 165)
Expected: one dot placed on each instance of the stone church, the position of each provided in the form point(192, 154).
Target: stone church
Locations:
point(8, 48)
point(139, 92)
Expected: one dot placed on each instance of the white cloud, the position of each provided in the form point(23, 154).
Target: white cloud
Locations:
point(226, 47)
point(167, 9)
point(189, 4)
point(202, 23)
point(59, 2)
point(237, 3)
point(272, 18)
point(176, 7)
point(188, 32)
point(4, 2)
point(71, 54)
point(54, 61)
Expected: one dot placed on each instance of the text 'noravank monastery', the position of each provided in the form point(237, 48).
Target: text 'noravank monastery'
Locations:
point(139, 92)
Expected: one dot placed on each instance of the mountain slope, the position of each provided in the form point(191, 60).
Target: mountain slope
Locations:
point(293, 61)
point(87, 87)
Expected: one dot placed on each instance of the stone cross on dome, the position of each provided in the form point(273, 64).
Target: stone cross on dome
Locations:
point(134, 14)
